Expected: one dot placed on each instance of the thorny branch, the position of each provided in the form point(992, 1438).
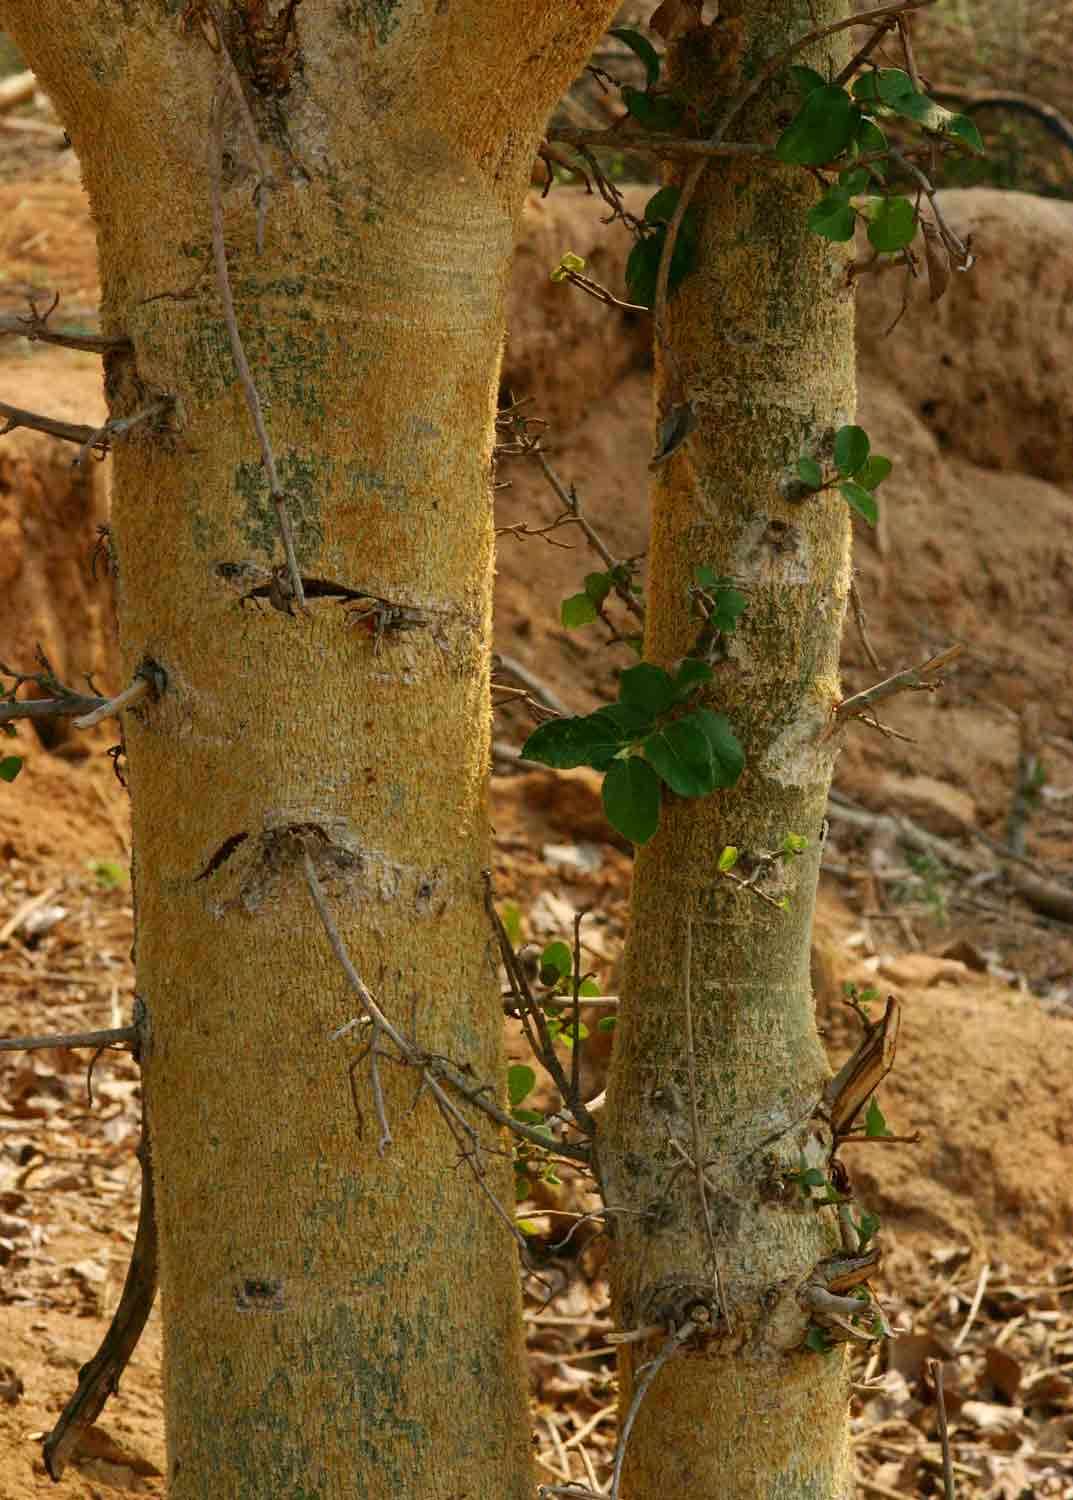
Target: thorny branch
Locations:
point(62, 701)
point(95, 440)
point(223, 279)
point(922, 679)
point(35, 328)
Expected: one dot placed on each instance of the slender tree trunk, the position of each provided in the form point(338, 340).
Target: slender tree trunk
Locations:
point(717, 1013)
point(337, 1322)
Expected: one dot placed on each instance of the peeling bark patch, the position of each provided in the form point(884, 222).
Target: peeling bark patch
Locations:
point(262, 867)
point(226, 849)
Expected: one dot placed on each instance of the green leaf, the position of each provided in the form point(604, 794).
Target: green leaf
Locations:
point(730, 605)
point(728, 758)
point(893, 224)
point(10, 766)
point(810, 473)
point(807, 79)
point(707, 578)
point(854, 180)
point(647, 687)
point(964, 129)
point(867, 1228)
point(569, 262)
point(822, 129)
point(607, 1023)
point(794, 843)
point(689, 676)
point(818, 1340)
point(661, 206)
point(874, 1123)
point(862, 500)
point(521, 1082)
point(558, 960)
point(810, 1177)
point(883, 86)
point(569, 1033)
point(682, 756)
point(643, 48)
point(589, 989)
point(578, 610)
point(109, 874)
point(598, 586)
point(642, 268)
point(656, 112)
point(833, 217)
point(566, 743)
point(872, 475)
point(728, 859)
point(851, 449)
point(871, 138)
point(631, 799)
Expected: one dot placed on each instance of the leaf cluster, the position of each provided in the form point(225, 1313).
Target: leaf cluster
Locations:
point(858, 472)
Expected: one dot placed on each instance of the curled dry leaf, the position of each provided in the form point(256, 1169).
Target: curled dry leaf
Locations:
point(674, 17)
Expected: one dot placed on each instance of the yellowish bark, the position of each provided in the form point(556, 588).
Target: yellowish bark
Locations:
point(337, 1323)
point(763, 335)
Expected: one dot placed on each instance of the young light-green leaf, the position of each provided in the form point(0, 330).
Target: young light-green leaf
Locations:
point(631, 798)
point(578, 610)
point(520, 1083)
point(728, 859)
point(874, 1123)
point(821, 130)
point(643, 48)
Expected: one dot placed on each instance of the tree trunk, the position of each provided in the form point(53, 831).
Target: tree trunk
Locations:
point(337, 1321)
point(717, 1012)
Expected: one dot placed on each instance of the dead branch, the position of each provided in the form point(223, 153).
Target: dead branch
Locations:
point(35, 328)
point(100, 1378)
point(660, 145)
point(141, 688)
point(238, 352)
point(912, 679)
point(935, 1369)
point(861, 1074)
point(128, 1035)
point(68, 432)
point(61, 702)
point(536, 685)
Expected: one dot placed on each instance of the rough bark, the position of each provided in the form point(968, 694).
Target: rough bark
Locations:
point(336, 1323)
point(763, 334)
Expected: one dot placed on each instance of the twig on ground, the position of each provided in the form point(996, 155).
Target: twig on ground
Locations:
point(935, 1370)
point(974, 1306)
point(99, 1379)
point(238, 352)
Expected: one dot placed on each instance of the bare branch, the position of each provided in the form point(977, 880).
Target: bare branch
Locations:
point(920, 679)
point(35, 328)
point(99, 1379)
point(128, 1035)
point(138, 690)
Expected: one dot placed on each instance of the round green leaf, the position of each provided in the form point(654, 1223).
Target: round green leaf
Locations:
point(874, 472)
point(520, 1083)
point(578, 610)
point(682, 756)
point(730, 605)
point(631, 799)
point(690, 675)
point(10, 766)
point(862, 500)
point(647, 687)
point(728, 758)
point(964, 130)
point(598, 586)
point(821, 130)
point(807, 79)
point(557, 959)
point(893, 224)
point(810, 473)
point(851, 449)
point(661, 206)
point(656, 112)
point(833, 217)
point(854, 180)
